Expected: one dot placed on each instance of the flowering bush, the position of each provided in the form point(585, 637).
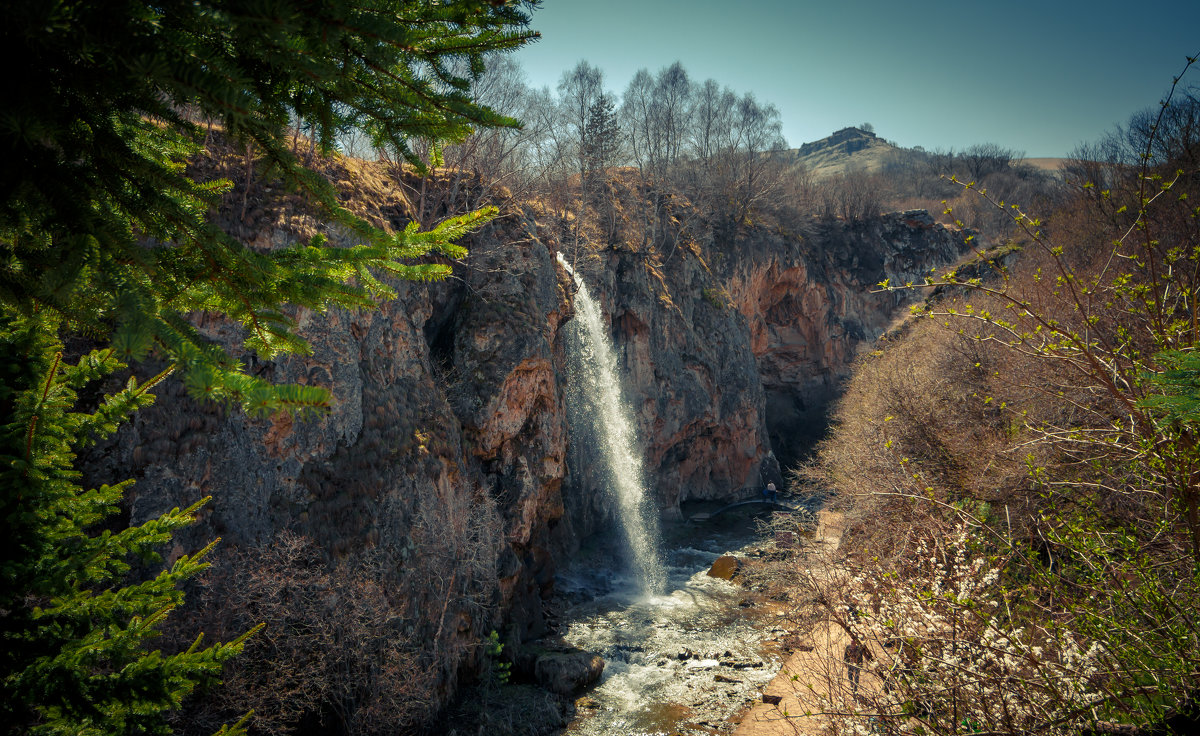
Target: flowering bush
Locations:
point(953, 651)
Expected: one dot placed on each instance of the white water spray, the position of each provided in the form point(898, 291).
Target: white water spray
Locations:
point(598, 389)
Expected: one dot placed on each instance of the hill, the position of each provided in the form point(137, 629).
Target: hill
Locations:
point(855, 149)
point(1051, 165)
point(845, 150)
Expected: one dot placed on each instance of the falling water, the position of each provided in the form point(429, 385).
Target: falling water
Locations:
point(598, 399)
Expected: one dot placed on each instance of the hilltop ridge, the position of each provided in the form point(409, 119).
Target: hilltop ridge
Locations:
point(843, 150)
point(857, 149)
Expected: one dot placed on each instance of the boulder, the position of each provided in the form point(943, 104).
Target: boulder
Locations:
point(567, 672)
point(725, 567)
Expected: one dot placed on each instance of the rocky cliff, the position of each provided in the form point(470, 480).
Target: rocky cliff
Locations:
point(690, 379)
point(448, 459)
point(811, 301)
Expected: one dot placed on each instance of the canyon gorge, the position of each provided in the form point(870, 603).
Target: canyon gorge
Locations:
point(447, 454)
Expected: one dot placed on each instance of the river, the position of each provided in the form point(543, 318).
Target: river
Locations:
point(681, 662)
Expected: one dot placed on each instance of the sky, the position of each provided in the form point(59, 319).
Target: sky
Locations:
point(1037, 77)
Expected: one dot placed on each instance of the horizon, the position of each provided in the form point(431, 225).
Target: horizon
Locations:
point(910, 71)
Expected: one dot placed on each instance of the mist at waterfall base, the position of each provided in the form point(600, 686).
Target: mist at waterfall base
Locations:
point(676, 645)
point(601, 419)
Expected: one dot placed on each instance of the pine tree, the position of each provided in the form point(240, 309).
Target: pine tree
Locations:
point(104, 234)
point(601, 140)
point(75, 649)
point(99, 220)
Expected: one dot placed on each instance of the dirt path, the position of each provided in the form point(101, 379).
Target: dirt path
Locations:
point(809, 680)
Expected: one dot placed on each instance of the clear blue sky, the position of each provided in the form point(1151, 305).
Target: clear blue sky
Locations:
point(1039, 77)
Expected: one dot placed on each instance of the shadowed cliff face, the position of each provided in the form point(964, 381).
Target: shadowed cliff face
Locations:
point(811, 302)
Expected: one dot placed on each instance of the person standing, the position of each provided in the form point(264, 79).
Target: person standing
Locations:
point(856, 655)
point(769, 493)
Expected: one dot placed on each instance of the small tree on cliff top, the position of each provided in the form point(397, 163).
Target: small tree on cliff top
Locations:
point(103, 233)
point(601, 141)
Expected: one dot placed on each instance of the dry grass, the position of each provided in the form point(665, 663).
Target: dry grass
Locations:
point(261, 210)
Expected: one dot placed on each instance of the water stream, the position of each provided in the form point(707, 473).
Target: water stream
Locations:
point(682, 662)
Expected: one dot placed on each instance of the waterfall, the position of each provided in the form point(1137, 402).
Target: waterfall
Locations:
point(595, 399)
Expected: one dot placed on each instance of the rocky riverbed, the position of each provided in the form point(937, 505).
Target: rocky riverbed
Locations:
point(688, 661)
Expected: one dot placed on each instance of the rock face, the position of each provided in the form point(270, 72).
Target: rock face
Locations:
point(730, 368)
point(845, 141)
point(689, 376)
point(443, 457)
point(447, 458)
point(811, 301)
point(504, 387)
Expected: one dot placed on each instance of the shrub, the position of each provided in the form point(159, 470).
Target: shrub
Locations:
point(1034, 433)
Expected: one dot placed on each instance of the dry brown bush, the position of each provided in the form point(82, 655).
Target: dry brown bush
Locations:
point(853, 195)
point(369, 644)
point(921, 417)
point(333, 654)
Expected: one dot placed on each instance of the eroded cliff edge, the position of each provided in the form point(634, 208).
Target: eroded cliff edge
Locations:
point(447, 457)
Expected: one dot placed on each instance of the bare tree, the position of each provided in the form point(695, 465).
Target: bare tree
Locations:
point(712, 119)
point(672, 92)
point(704, 139)
point(713, 112)
point(553, 151)
point(499, 160)
point(657, 114)
point(984, 159)
point(335, 649)
point(639, 118)
point(757, 131)
point(578, 90)
point(1173, 134)
point(854, 195)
